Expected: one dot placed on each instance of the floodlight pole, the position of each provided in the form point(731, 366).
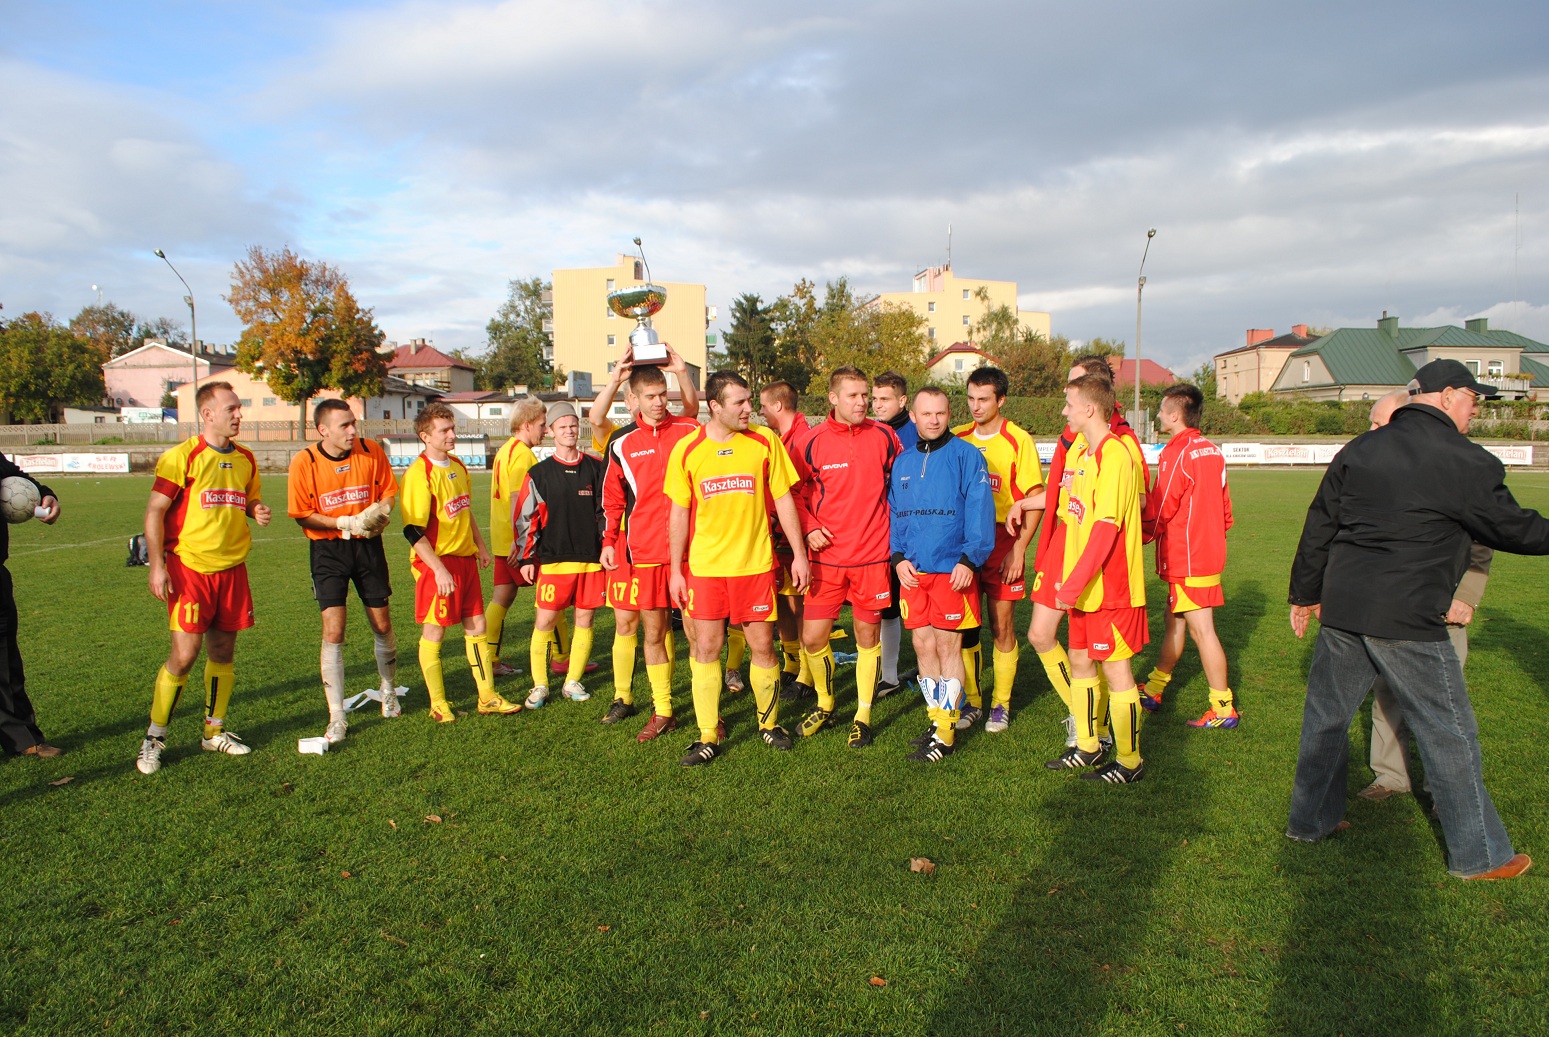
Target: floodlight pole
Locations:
point(1140, 289)
point(193, 327)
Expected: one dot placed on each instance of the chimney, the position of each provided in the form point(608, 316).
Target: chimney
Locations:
point(1479, 324)
point(1300, 330)
point(1388, 325)
point(414, 345)
point(1257, 335)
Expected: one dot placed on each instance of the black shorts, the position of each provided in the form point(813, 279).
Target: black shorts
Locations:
point(891, 612)
point(336, 563)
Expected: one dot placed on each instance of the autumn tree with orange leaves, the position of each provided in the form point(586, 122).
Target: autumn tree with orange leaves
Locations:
point(302, 329)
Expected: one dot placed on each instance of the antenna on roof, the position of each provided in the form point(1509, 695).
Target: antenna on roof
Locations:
point(949, 245)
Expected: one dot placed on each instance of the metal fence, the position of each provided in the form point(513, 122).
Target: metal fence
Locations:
point(115, 434)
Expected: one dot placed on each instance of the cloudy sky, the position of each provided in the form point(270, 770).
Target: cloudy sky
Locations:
point(1316, 162)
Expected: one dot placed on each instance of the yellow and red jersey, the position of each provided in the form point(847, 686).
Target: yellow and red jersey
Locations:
point(1190, 509)
point(511, 464)
point(1101, 485)
point(206, 527)
point(727, 487)
point(1012, 458)
point(438, 498)
point(322, 485)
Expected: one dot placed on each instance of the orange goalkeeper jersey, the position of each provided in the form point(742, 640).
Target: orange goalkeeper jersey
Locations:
point(323, 485)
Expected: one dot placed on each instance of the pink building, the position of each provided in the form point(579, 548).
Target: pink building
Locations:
point(139, 377)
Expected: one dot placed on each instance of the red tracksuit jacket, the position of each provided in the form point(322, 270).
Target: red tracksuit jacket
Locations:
point(844, 471)
point(1190, 509)
point(633, 501)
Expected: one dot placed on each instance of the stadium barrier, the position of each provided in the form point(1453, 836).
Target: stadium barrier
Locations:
point(1291, 454)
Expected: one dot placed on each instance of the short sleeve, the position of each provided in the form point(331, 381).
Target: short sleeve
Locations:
point(300, 488)
point(1029, 468)
point(782, 473)
point(677, 486)
point(171, 472)
point(415, 500)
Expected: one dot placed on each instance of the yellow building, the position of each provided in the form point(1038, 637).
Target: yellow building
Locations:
point(951, 305)
point(590, 337)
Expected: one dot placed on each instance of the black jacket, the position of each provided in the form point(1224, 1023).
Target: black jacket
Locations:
point(558, 511)
point(9, 468)
point(1387, 537)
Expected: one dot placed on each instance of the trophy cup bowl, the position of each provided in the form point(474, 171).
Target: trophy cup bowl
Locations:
point(642, 302)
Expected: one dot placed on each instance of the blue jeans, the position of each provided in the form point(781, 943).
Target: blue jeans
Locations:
point(1427, 680)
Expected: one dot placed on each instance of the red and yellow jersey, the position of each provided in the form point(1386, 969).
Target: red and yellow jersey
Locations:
point(727, 487)
point(322, 485)
point(206, 527)
point(511, 464)
point(1103, 485)
point(1012, 458)
point(438, 498)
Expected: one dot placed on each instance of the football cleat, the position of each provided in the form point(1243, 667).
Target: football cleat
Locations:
point(562, 666)
point(885, 688)
point(1214, 719)
point(924, 739)
point(336, 731)
point(797, 691)
point(537, 697)
point(502, 670)
point(149, 760)
point(575, 692)
point(657, 726)
point(499, 706)
point(1148, 702)
point(860, 735)
point(1000, 719)
point(969, 717)
point(1070, 732)
point(618, 711)
point(777, 737)
point(734, 682)
point(225, 742)
point(1116, 773)
point(815, 721)
point(441, 712)
point(931, 752)
point(1074, 758)
point(391, 707)
point(700, 753)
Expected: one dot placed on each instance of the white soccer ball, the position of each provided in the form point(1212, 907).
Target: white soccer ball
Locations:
point(18, 499)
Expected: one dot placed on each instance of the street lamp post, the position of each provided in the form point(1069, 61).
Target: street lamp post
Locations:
point(193, 327)
point(1140, 289)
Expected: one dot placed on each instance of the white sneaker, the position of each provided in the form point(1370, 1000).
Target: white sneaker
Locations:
point(1070, 732)
point(390, 704)
point(734, 682)
point(539, 696)
point(575, 692)
point(225, 742)
point(149, 761)
point(336, 731)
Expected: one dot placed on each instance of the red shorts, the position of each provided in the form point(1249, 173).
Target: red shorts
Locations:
point(639, 588)
point(865, 587)
point(935, 604)
point(737, 599)
point(1046, 570)
point(1195, 592)
point(1109, 633)
point(785, 584)
point(505, 575)
point(561, 590)
point(200, 601)
point(467, 598)
point(989, 572)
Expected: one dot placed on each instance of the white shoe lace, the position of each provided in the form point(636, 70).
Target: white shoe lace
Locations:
point(150, 755)
point(337, 730)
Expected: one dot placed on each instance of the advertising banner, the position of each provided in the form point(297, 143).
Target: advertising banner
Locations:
point(1513, 454)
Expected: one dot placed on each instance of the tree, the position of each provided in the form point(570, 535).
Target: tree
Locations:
point(1104, 347)
point(1035, 365)
point(750, 344)
point(813, 338)
point(1205, 379)
point(794, 318)
point(514, 355)
point(303, 331)
point(44, 367)
point(167, 329)
point(107, 327)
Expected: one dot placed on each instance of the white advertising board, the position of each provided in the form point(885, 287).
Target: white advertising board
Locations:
point(1243, 453)
point(81, 463)
point(1512, 454)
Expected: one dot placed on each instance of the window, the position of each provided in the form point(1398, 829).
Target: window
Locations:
point(1306, 370)
point(965, 320)
point(268, 401)
point(1497, 368)
point(612, 363)
point(965, 293)
point(930, 332)
point(611, 314)
point(387, 415)
point(419, 405)
point(613, 340)
point(249, 403)
point(930, 307)
point(496, 412)
point(957, 365)
point(610, 284)
point(1473, 366)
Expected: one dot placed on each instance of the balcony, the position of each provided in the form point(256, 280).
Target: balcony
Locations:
point(1512, 386)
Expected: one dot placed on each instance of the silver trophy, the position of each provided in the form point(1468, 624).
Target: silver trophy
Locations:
point(642, 302)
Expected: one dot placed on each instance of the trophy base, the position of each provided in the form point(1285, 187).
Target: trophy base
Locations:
point(653, 355)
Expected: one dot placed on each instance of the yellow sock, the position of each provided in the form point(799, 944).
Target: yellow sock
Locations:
point(660, 676)
point(1085, 706)
point(671, 644)
point(538, 655)
point(1104, 721)
point(1221, 702)
point(791, 650)
point(736, 648)
point(477, 648)
point(561, 638)
point(868, 663)
point(218, 679)
point(946, 724)
point(495, 626)
point(580, 651)
point(707, 698)
point(624, 666)
point(1005, 674)
point(1156, 683)
point(1125, 706)
point(822, 665)
point(973, 660)
point(766, 694)
point(804, 668)
point(1057, 665)
point(164, 699)
point(430, 669)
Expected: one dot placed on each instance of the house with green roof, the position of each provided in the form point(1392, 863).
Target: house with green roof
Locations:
point(1365, 363)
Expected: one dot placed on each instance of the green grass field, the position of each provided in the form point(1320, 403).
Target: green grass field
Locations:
point(579, 883)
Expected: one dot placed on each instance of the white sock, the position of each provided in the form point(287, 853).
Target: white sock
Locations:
point(156, 731)
point(333, 678)
point(387, 660)
point(892, 636)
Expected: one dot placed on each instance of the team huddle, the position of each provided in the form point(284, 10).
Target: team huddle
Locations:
point(754, 537)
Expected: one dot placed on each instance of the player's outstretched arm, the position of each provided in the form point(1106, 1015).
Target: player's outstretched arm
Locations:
point(689, 394)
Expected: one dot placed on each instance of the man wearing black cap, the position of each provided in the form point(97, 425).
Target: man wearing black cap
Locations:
point(1385, 542)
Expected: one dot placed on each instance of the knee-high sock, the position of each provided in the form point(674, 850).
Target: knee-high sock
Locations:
point(822, 664)
point(1125, 708)
point(561, 638)
point(1156, 683)
point(707, 698)
point(1057, 665)
point(1086, 705)
point(1005, 674)
point(804, 670)
point(495, 625)
point(387, 659)
point(892, 638)
point(1221, 701)
point(218, 680)
point(736, 648)
point(164, 700)
point(791, 653)
point(1104, 721)
point(973, 662)
point(670, 643)
point(482, 665)
point(624, 666)
point(660, 677)
point(540, 652)
point(430, 669)
point(867, 662)
point(332, 666)
point(951, 692)
point(766, 694)
point(580, 651)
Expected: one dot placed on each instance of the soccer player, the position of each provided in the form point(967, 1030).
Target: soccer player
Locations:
point(1012, 458)
point(890, 405)
point(512, 461)
point(1102, 583)
point(634, 551)
point(943, 530)
point(341, 493)
point(197, 537)
point(844, 464)
point(559, 528)
point(1188, 515)
point(446, 553)
point(597, 417)
point(720, 480)
point(19, 731)
point(779, 406)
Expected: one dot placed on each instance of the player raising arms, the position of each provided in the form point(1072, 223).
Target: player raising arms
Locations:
point(341, 493)
point(446, 553)
point(844, 464)
point(559, 528)
point(197, 537)
point(720, 480)
point(1102, 583)
point(1012, 457)
point(943, 530)
point(779, 406)
point(1188, 516)
point(510, 467)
